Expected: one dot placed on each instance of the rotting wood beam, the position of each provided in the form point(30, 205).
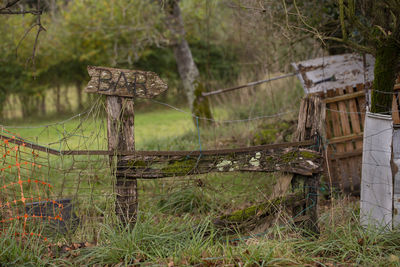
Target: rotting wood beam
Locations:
point(341, 139)
point(342, 155)
point(291, 160)
point(343, 97)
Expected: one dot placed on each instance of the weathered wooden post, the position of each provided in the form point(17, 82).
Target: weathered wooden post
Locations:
point(311, 125)
point(121, 86)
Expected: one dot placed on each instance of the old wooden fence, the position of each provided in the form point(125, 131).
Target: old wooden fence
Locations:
point(292, 158)
point(301, 160)
point(343, 132)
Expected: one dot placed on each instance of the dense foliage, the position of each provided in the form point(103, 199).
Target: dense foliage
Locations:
point(225, 40)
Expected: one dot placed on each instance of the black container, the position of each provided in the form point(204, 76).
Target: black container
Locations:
point(61, 212)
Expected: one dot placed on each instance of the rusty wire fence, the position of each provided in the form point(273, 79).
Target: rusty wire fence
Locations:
point(58, 181)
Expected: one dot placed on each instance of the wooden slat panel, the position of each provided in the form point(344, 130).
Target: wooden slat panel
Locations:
point(355, 118)
point(346, 165)
point(344, 119)
point(395, 109)
point(345, 141)
point(355, 169)
point(335, 121)
point(337, 173)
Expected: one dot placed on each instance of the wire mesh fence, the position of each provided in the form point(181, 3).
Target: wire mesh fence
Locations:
point(58, 181)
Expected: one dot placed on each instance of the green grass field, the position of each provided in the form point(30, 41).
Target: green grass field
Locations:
point(175, 221)
point(149, 126)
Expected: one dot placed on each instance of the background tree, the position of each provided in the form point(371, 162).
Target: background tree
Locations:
point(187, 68)
point(366, 26)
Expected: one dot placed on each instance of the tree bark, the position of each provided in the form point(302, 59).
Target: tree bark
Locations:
point(68, 105)
point(120, 129)
point(43, 104)
point(58, 99)
point(78, 86)
point(385, 72)
point(187, 68)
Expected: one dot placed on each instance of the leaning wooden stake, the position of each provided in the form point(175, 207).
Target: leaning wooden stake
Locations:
point(121, 86)
point(311, 125)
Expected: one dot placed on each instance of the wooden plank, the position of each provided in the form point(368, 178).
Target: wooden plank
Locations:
point(349, 164)
point(355, 118)
point(344, 119)
point(22, 142)
point(330, 166)
point(346, 138)
point(125, 83)
point(345, 129)
point(354, 153)
point(281, 187)
point(301, 161)
point(395, 109)
point(311, 120)
point(343, 97)
point(333, 107)
point(336, 173)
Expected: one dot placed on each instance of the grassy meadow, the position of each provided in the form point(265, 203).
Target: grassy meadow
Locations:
point(175, 221)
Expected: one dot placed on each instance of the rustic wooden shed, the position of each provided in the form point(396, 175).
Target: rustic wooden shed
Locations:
point(343, 83)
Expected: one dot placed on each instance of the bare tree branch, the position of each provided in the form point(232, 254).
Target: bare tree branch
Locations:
point(23, 38)
point(37, 12)
point(9, 12)
point(10, 4)
point(351, 44)
point(40, 29)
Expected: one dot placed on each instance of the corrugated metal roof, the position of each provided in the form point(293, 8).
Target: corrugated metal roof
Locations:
point(331, 72)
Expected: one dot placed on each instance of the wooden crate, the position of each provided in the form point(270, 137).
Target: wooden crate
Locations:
point(345, 115)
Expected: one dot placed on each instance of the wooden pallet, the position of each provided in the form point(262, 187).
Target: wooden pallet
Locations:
point(345, 115)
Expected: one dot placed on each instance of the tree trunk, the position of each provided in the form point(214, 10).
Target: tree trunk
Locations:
point(78, 85)
point(24, 100)
point(68, 105)
point(43, 104)
point(385, 72)
point(58, 99)
point(186, 66)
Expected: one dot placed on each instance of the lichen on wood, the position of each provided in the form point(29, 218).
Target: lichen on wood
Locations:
point(290, 160)
point(179, 167)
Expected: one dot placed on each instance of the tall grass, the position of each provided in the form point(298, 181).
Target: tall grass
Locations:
point(175, 215)
point(185, 240)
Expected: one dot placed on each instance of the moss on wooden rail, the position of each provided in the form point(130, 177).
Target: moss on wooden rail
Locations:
point(292, 160)
point(263, 209)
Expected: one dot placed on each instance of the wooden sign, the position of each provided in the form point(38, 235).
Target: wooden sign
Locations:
point(123, 82)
